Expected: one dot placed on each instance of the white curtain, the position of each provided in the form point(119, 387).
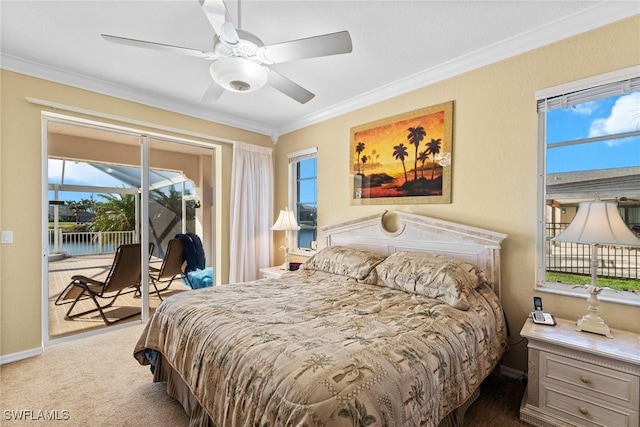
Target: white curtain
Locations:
point(251, 211)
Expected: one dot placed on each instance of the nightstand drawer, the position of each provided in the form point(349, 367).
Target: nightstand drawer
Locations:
point(581, 379)
point(598, 381)
point(584, 411)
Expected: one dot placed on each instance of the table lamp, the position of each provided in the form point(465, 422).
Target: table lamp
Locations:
point(286, 221)
point(596, 223)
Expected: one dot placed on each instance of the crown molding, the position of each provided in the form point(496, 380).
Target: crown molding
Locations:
point(599, 15)
point(72, 78)
point(602, 14)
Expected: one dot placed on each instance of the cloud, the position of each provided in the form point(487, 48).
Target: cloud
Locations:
point(586, 108)
point(624, 117)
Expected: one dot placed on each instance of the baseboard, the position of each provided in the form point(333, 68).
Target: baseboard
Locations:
point(21, 355)
point(510, 372)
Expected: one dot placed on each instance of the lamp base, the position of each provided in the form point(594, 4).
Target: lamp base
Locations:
point(593, 324)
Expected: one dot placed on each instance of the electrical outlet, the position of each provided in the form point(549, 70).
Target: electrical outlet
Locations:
point(7, 237)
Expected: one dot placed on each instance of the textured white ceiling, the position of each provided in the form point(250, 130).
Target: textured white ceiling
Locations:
point(397, 46)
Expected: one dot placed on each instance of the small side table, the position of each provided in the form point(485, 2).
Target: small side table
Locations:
point(272, 272)
point(579, 378)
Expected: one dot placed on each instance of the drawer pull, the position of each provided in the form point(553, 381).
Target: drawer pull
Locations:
point(584, 411)
point(585, 380)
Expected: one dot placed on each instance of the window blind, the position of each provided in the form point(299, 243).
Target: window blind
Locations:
point(301, 155)
point(590, 94)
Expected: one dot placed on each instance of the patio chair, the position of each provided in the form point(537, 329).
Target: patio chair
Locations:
point(125, 273)
point(172, 266)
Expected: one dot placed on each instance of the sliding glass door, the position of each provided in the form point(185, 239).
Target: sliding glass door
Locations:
point(93, 208)
point(109, 186)
point(180, 206)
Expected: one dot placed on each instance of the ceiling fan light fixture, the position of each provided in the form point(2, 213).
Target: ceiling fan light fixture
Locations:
point(239, 74)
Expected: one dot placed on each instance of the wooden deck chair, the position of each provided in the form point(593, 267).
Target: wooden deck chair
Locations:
point(172, 266)
point(125, 273)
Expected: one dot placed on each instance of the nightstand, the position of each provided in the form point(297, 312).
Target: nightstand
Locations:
point(579, 378)
point(272, 272)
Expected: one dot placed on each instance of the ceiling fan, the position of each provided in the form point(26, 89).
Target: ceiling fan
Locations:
point(240, 59)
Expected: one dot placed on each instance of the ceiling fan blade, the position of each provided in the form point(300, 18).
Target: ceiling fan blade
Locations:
point(218, 17)
point(312, 47)
point(213, 92)
point(289, 88)
point(160, 47)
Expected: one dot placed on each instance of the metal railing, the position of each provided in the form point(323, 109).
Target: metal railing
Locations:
point(613, 261)
point(88, 242)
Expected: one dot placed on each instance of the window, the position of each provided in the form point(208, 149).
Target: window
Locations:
point(589, 134)
point(303, 192)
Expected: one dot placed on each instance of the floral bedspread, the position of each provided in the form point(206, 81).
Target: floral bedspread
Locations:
point(318, 349)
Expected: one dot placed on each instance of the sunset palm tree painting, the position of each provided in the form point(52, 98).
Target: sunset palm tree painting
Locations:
point(397, 160)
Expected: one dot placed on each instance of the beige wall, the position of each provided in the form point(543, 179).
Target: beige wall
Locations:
point(21, 190)
point(494, 171)
point(494, 159)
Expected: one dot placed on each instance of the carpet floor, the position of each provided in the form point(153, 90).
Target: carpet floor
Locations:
point(498, 404)
point(96, 382)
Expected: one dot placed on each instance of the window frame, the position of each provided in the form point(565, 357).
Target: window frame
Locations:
point(294, 158)
point(541, 285)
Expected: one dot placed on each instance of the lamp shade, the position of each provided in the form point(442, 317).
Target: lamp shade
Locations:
point(286, 221)
point(598, 223)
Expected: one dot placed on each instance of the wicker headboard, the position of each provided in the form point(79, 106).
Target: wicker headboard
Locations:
point(390, 232)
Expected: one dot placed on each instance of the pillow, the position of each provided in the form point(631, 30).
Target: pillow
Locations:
point(430, 275)
point(354, 263)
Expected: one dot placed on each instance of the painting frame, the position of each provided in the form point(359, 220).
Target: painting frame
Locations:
point(379, 147)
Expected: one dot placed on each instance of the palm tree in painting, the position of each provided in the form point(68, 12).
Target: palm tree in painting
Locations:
point(415, 137)
point(423, 156)
point(434, 148)
point(400, 152)
point(364, 160)
point(359, 149)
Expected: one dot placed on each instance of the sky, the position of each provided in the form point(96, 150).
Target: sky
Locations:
point(608, 116)
point(80, 173)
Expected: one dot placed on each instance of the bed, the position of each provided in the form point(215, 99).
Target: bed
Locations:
point(396, 322)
